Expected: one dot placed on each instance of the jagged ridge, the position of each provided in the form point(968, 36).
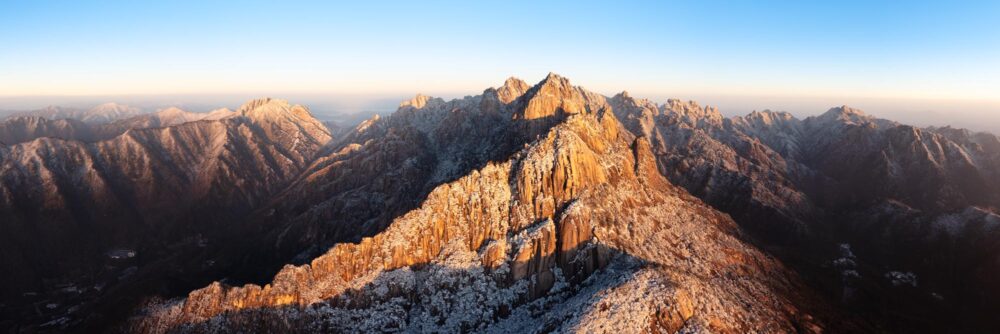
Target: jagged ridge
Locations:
point(583, 195)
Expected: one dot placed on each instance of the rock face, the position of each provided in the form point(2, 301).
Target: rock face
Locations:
point(574, 222)
point(104, 113)
point(71, 126)
point(528, 208)
point(387, 167)
point(164, 118)
point(158, 191)
point(705, 153)
point(806, 186)
point(21, 129)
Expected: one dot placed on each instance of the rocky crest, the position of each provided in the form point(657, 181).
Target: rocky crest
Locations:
point(531, 230)
point(20, 129)
point(802, 186)
point(66, 203)
point(528, 208)
point(707, 154)
point(70, 126)
point(101, 114)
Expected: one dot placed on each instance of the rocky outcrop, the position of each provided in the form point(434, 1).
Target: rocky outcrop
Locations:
point(807, 183)
point(20, 129)
point(101, 114)
point(528, 208)
point(707, 154)
point(528, 232)
point(163, 118)
point(512, 89)
point(160, 191)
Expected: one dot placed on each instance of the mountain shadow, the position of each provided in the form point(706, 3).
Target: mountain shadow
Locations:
point(581, 187)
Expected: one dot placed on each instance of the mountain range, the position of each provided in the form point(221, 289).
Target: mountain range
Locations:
point(527, 208)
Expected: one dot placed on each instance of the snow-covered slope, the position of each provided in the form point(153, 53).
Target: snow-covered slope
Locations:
point(90, 126)
point(528, 208)
point(65, 203)
point(575, 230)
point(101, 114)
point(802, 186)
point(26, 128)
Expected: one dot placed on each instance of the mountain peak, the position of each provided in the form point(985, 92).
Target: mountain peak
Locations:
point(555, 79)
point(289, 126)
point(554, 84)
point(220, 113)
point(767, 118)
point(845, 114)
point(512, 89)
point(113, 108)
point(552, 96)
point(417, 102)
point(260, 102)
point(513, 82)
point(275, 110)
point(770, 114)
point(51, 107)
point(692, 111)
point(110, 105)
point(172, 111)
point(845, 110)
point(108, 112)
point(174, 116)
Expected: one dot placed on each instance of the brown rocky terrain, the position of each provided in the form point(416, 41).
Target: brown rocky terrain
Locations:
point(556, 237)
point(807, 188)
point(15, 130)
point(67, 205)
point(528, 208)
point(101, 114)
point(25, 127)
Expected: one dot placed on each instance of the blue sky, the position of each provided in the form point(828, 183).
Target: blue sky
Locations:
point(801, 49)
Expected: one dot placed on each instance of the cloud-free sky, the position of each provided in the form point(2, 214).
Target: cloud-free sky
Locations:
point(830, 49)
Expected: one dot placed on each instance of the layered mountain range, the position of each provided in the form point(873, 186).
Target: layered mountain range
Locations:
point(528, 208)
point(102, 122)
point(909, 200)
point(66, 203)
point(104, 113)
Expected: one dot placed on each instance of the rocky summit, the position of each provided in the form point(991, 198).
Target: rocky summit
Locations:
point(527, 208)
point(573, 229)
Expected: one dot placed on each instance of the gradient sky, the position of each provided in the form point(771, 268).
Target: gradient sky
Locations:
point(829, 50)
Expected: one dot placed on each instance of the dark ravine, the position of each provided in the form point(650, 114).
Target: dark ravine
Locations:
point(527, 208)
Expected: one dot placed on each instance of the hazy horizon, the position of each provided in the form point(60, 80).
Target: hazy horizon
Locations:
point(551, 204)
point(917, 112)
point(915, 62)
